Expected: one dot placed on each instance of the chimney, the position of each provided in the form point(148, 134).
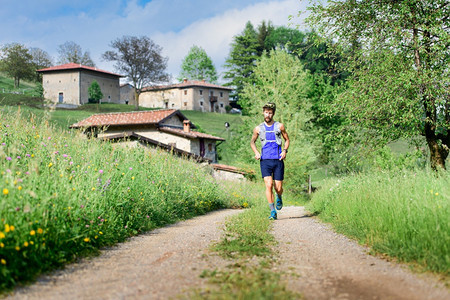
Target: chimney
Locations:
point(186, 126)
point(184, 80)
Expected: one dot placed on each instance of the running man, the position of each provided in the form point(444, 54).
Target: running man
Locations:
point(272, 156)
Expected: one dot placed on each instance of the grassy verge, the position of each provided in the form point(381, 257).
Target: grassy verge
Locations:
point(63, 196)
point(402, 214)
point(249, 246)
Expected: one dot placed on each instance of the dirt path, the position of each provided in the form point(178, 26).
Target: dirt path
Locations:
point(167, 262)
point(333, 267)
point(158, 265)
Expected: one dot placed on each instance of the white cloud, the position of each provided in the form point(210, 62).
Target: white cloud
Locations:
point(187, 23)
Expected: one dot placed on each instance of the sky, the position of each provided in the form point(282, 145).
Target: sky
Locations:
point(175, 25)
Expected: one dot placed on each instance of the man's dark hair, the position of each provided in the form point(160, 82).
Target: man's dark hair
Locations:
point(270, 105)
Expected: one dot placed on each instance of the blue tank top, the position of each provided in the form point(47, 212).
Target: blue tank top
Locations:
point(271, 150)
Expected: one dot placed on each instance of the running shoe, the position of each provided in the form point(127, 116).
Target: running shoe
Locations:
point(279, 202)
point(273, 215)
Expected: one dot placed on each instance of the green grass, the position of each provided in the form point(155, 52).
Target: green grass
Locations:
point(8, 84)
point(249, 245)
point(403, 214)
point(63, 196)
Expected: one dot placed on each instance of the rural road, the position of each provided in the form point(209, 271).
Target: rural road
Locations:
point(167, 262)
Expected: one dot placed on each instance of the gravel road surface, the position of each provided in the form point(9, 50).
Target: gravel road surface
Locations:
point(167, 262)
point(331, 266)
point(157, 265)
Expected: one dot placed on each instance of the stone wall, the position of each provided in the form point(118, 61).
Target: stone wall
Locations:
point(67, 83)
point(108, 84)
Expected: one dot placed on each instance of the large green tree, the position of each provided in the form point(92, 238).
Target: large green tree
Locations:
point(398, 55)
point(241, 62)
point(197, 65)
point(16, 62)
point(140, 59)
point(281, 78)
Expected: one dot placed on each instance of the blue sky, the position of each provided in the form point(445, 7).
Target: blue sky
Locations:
point(175, 25)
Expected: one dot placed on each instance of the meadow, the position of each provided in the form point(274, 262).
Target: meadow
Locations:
point(64, 196)
point(401, 214)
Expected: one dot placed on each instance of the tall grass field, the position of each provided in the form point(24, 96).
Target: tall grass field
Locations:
point(402, 214)
point(63, 196)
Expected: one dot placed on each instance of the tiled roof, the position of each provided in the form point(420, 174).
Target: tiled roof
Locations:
point(185, 84)
point(74, 66)
point(130, 118)
point(190, 134)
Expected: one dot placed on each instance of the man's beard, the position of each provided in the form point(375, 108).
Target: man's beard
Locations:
point(268, 119)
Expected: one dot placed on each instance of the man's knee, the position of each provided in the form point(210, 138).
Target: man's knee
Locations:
point(278, 187)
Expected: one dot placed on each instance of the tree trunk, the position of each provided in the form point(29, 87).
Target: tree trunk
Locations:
point(438, 154)
point(136, 99)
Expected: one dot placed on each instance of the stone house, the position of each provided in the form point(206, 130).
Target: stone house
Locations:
point(68, 84)
point(127, 95)
point(166, 128)
point(187, 95)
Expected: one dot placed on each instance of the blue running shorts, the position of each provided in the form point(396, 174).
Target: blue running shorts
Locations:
point(272, 167)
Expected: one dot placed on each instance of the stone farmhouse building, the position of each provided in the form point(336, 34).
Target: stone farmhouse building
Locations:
point(167, 128)
point(187, 95)
point(68, 84)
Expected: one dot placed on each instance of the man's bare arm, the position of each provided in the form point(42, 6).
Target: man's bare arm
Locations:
point(252, 142)
point(286, 141)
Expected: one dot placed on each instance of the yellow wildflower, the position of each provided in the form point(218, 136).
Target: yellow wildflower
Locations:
point(31, 242)
point(17, 248)
point(2, 245)
point(25, 244)
point(19, 187)
point(100, 232)
point(132, 178)
point(2, 235)
point(50, 164)
point(7, 229)
point(5, 191)
point(32, 155)
point(40, 231)
point(12, 227)
point(3, 261)
point(93, 188)
point(32, 232)
point(437, 194)
point(86, 239)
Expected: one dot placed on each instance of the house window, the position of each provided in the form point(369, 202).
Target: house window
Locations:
point(185, 104)
point(201, 92)
point(221, 94)
point(221, 105)
point(210, 147)
point(185, 92)
point(173, 104)
point(201, 103)
point(61, 97)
